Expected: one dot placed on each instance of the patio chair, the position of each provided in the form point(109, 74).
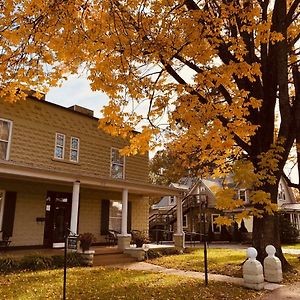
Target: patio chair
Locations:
point(112, 237)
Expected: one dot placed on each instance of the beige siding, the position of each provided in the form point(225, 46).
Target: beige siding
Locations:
point(140, 214)
point(31, 200)
point(34, 126)
point(30, 204)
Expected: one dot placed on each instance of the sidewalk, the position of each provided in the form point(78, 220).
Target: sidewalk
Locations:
point(291, 292)
point(144, 266)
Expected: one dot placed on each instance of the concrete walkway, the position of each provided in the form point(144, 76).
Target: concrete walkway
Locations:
point(144, 266)
point(291, 292)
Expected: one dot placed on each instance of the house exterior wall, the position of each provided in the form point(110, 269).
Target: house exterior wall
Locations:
point(30, 204)
point(31, 201)
point(140, 213)
point(35, 124)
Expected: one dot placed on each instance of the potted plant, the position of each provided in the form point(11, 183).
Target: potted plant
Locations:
point(86, 239)
point(139, 238)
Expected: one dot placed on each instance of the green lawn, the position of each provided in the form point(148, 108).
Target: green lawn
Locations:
point(220, 261)
point(292, 246)
point(99, 283)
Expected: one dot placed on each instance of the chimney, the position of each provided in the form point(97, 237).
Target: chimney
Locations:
point(82, 110)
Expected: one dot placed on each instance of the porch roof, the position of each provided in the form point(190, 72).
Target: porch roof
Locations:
point(12, 170)
point(291, 207)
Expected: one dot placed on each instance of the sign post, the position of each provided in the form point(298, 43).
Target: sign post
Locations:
point(71, 244)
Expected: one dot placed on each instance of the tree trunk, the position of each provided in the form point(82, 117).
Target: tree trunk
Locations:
point(266, 231)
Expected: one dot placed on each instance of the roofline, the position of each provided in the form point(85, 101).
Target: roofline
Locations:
point(44, 101)
point(13, 170)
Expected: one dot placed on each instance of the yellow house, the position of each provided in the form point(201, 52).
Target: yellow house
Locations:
point(58, 170)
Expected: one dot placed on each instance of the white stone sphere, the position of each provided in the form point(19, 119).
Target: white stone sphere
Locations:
point(251, 253)
point(271, 250)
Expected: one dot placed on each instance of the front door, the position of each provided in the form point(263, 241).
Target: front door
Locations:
point(57, 218)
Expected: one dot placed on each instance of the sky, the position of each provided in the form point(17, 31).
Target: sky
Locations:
point(76, 90)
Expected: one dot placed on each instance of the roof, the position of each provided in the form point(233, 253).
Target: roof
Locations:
point(291, 207)
point(10, 169)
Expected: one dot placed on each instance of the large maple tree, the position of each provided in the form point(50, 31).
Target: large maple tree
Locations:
point(215, 72)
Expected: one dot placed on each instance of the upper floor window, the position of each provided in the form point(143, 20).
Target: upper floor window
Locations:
point(74, 149)
point(215, 228)
point(59, 151)
point(5, 138)
point(171, 200)
point(117, 164)
point(185, 221)
point(242, 194)
point(2, 194)
point(281, 193)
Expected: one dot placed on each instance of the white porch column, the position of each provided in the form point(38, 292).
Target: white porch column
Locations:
point(75, 206)
point(179, 236)
point(179, 215)
point(124, 211)
point(124, 238)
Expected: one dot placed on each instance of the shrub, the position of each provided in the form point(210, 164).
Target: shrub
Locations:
point(139, 238)
point(36, 262)
point(40, 262)
point(86, 239)
point(154, 253)
point(74, 259)
point(8, 264)
point(288, 231)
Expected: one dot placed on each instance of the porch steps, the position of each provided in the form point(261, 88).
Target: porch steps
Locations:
point(114, 257)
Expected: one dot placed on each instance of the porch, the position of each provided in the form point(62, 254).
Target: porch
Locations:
point(37, 206)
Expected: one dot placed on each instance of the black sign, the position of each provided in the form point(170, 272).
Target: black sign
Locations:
point(72, 242)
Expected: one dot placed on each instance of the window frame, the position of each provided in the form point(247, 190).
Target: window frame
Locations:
point(111, 163)
point(63, 147)
point(110, 218)
point(185, 217)
point(7, 155)
point(246, 195)
point(71, 148)
point(212, 223)
point(2, 208)
point(172, 200)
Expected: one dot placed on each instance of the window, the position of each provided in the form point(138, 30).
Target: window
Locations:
point(117, 164)
point(171, 200)
point(202, 189)
point(184, 221)
point(2, 194)
point(5, 138)
point(115, 215)
point(74, 149)
point(59, 146)
point(281, 194)
point(242, 194)
point(215, 228)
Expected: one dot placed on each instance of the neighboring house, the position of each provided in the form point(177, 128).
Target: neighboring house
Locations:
point(163, 214)
point(58, 169)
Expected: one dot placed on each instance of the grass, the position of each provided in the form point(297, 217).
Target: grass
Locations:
point(100, 283)
point(291, 246)
point(220, 261)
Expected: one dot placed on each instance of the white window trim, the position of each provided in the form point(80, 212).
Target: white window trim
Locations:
point(2, 209)
point(111, 163)
point(9, 137)
point(63, 155)
point(212, 223)
point(186, 221)
point(172, 202)
point(74, 137)
point(246, 194)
